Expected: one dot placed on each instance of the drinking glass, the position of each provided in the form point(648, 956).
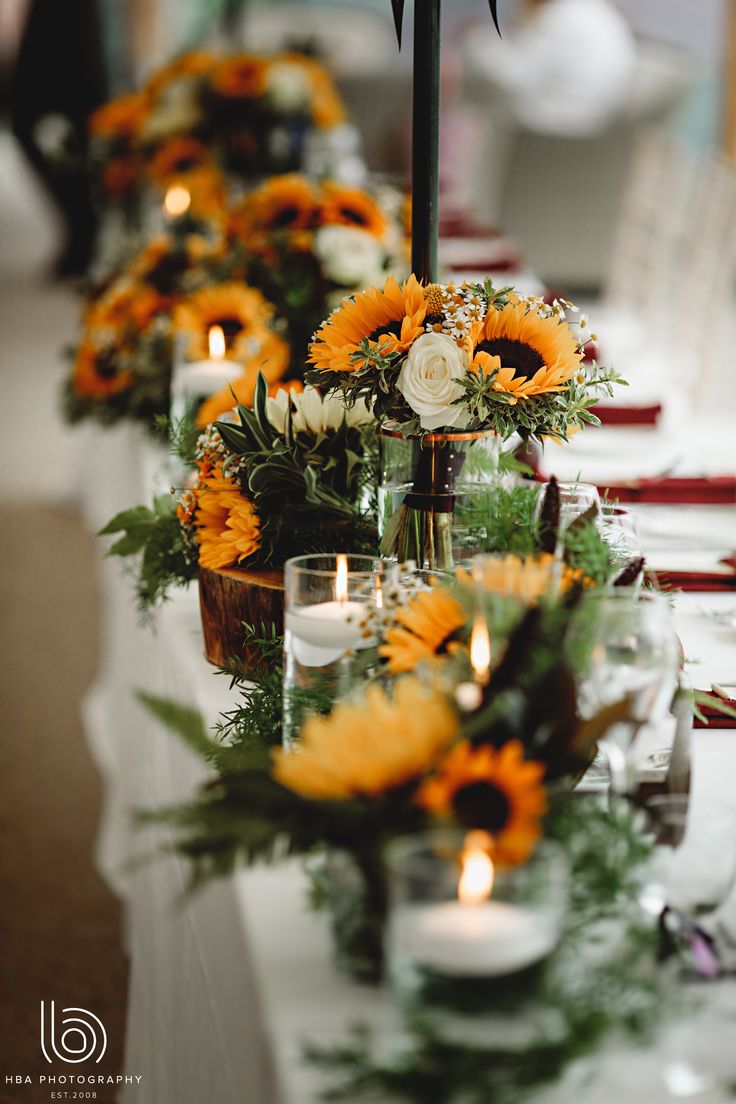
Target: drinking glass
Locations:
point(618, 529)
point(623, 646)
point(575, 499)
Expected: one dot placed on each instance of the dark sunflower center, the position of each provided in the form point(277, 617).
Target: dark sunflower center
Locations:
point(105, 365)
point(381, 331)
point(231, 327)
point(184, 163)
point(524, 359)
point(351, 215)
point(164, 273)
point(482, 805)
point(285, 217)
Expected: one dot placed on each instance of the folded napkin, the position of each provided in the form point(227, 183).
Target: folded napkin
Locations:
point(630, 415)
point(699, 580)
point(716, 490)
point(714, 718)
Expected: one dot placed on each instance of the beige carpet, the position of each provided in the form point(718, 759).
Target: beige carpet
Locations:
point(59, 925)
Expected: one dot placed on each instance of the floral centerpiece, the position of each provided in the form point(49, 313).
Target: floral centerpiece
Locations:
point(306, 244)
point(289, 475)
point(244, 113)
point(177, 283)
point(445, 368)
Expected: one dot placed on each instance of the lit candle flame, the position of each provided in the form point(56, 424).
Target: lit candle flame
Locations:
point(480, 650)
point(341, 578)
point(177, 201)
point(476, 879)
point(216, 341)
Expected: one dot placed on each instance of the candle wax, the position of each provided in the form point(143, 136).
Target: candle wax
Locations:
point(203, 378)
point(489, 939)
point(324, 632)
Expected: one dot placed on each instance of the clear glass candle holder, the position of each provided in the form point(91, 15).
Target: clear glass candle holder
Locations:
point(469, 940)
point(332, 606)
point(200, 369)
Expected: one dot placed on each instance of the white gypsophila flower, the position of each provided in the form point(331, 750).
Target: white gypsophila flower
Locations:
point(349, 256)
point(428, 380)
point(288, 88)
point(314, 413)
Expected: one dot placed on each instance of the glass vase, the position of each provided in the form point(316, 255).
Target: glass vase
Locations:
point(434, 495)
point(353, 888)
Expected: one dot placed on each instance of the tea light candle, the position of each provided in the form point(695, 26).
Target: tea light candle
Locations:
point(203, 377)
point(489, 939)
point(327, 630)
point(177, 202)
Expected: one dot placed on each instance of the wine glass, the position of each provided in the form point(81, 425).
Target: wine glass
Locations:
point(575, 499)
point(624, 647)
point(618, 529)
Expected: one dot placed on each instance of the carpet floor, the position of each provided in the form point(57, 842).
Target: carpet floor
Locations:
point(60, 927)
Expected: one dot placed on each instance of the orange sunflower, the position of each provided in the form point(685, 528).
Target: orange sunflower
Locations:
point(242, 77)
point(533, 354)
point(121, 118)
point(127, 307)
point(287, 202)
point(195, 63)
point(393, 315)
point(494, 789)
point(176, 156)
point(370, 746)
point(96, 373)
point(327, 107)
point(226, 524)
point(207, 191)
point(242, 312)
point(343, 206)
point(427, 623)
point(526, 580)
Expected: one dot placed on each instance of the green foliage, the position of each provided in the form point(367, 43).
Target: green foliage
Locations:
point(307, 491)
point(167, 557)
point(585, 549)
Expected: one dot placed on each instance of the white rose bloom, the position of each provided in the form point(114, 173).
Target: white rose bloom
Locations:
point(288, 88)
point(349, 256)
point(428, 380)
point(312, 413)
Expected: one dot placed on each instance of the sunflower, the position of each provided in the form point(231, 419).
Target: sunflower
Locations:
point(125, 310)
point(327, 108)
point(494, 789)
point(121, 118)
point(96, 373)
point(176, 156)
point(344, 206)
point(369, 747)
point(428, 623)
point(394, 316)
point(121, 175)
point(242, 77)
point(207, 191)
point(271, 361)
point(287, 202)
point(242, 312)
point(532, 354)
point(527, 580)
point(226, 524)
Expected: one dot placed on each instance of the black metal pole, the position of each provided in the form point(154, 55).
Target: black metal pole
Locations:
point(425, 170)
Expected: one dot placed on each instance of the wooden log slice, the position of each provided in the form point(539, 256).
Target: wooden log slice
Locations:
point(229, 597)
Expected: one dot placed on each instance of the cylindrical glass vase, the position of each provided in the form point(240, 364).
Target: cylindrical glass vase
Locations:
point(434, 495)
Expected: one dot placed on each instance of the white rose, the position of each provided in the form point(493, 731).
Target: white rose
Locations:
point(349, 256)
point(428, 380)
point(288, 88)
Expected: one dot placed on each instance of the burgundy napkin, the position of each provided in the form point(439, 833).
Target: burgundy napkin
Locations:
point(714, 718)
point(717, 490)
point(699, 580)
point(615, 415)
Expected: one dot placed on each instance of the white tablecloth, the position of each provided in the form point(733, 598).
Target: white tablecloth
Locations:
point(227, 985)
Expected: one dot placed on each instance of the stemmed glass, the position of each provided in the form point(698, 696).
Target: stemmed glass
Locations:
point(618, 529)
point(624, 647)
point(575, 499)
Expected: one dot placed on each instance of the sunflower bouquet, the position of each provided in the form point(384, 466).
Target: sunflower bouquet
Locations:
point(178, 283)
point(400, 758)
point(287, 476)
point(201, 114)
point(307, 244)
point(450, 371)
